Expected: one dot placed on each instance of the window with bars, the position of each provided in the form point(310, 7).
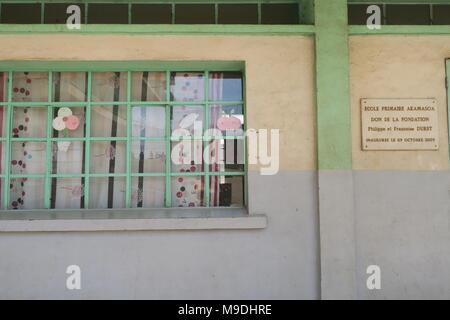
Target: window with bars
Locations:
point(152, 12)
point(402, 14)
point(128, 139)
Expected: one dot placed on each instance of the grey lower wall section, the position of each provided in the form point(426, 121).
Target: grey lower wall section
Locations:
point(403, 225)
point(279, 262)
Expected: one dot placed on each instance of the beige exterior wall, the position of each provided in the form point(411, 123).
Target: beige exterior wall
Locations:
point(279, 72)
point(399, 67)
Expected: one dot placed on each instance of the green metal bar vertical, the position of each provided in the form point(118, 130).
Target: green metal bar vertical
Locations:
point(216, 13)
point(9, 119)
point(86, 14)
point(87, 155)
point(49, 144)
point(205, 127)
point(42, 12)
point(129, 13)
point(332, 85)
point(129, 132)
point(259, 13)
point(173, 13)
point(168, 141)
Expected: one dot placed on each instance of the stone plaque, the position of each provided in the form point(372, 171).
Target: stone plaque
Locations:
point(399, 124)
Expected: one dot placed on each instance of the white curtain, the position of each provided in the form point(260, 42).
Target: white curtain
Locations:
point(109, 157)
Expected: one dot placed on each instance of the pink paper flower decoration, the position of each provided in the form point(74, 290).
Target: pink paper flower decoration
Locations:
point(65, 120)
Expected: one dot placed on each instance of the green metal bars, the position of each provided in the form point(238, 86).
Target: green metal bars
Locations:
point(87, 139)
point(159, 12)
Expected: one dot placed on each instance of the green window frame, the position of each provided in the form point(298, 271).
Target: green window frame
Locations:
point(90, 67)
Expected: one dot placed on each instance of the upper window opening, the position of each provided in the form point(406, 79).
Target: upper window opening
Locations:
point(402, 14)
point(54, 12)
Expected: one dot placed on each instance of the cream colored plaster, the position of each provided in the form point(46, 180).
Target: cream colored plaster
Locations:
point(279, 72)
point(399, 67)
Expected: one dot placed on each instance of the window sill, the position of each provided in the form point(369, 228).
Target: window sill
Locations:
point(130, 220)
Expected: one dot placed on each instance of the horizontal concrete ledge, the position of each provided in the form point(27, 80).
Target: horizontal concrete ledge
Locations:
point(132, 220)
point(160, 29)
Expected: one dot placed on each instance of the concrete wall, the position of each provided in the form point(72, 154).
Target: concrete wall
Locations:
point(280, 261)
point(401, 198)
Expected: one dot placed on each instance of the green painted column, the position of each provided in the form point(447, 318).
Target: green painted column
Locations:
point(333, 101)
point(334, 148)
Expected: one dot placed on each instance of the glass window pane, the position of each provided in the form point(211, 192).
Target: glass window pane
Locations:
point(187, 86)
point(68, 157)
point(109, 86)
point(151, 14)
point(56, 13)
point(30, 86)
point(148, 192)
point(228, 119)
point(26, 193)
point(107, 192)
point(408, 14)
point(194, 14)
point(148, 156)
point(225, 86)
point(69, 86)
point(108, 14)
point(68, 193)
point(187, 191)
point(238, 14)
point(226, 155)
point(441, 14)
point(69, 122)
point(108, 121)
point(226, 191)
point(28, 157)
point(187, 156)
point(108, 156)
point(29, 122)
point(148, 86)
point(286, 13)
point(149, 121)
point(21, 13)
point(187, 120)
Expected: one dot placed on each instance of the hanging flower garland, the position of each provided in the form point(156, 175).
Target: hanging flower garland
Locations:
point(64, 122)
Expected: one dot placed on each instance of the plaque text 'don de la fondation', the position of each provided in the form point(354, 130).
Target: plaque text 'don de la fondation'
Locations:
point(399, 124)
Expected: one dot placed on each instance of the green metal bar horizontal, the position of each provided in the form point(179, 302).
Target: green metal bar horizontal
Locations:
point(193, 138)
point(120, 103)
point(147, 174)
point(215, 173)
point(117, 65)
point(161, 29)
point(413, 30)
point(13, 176)
point(205, 138)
